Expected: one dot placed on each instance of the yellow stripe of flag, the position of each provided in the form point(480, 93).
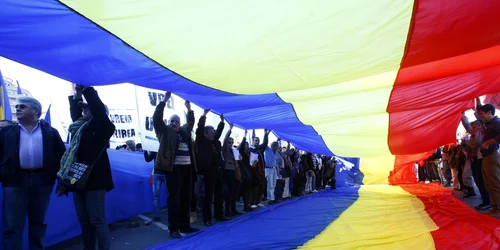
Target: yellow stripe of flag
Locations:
point(384, 217)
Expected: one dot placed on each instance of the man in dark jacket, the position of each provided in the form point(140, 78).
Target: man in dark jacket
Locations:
point(90, 132)
point(176, 160)
point(30, 154)
point(259, 149)
point(210, 163)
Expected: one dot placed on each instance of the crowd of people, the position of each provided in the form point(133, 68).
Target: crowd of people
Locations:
point(199, 173)
point(473, 159)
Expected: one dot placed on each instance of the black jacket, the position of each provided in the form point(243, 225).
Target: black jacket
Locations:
point(10, 168)
point(205, 148)
point(94, 139)
point(307, 162)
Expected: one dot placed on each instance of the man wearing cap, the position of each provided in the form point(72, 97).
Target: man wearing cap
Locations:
point(30, 152)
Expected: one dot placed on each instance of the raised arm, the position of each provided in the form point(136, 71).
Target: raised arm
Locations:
point(241, 147)
point(200, 131)
point(478, 103)
point(158, 123)
point(225, 144)
point(264, 144)
point(466, 123)
point(100, 116)
point(476, 113)
point(220, 128)
point(74, 109)
point(190, 117)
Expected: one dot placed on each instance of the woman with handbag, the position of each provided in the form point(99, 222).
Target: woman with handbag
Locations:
point(85, 168)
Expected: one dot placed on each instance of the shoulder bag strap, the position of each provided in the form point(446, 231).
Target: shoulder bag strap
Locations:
point(99, 156)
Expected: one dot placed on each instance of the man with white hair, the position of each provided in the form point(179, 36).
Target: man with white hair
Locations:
point(30, 154)
point(176, 160)
point(273, 163)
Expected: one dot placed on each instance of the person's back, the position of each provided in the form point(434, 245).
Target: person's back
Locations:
point(90, 133)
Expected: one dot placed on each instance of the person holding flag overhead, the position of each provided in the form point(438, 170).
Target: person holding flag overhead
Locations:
point(30, 154)
point(176, 160)
point(85, 168)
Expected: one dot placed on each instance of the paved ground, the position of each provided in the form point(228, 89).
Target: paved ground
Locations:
point(125, 238)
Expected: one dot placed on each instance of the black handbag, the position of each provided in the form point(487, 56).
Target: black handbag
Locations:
point(75, 177)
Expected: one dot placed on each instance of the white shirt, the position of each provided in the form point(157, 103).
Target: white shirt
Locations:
point(31, 148)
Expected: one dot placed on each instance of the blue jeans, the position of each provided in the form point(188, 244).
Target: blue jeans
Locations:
point(32, 198)
point(199, 192)
point(159, 180)
point(91, 211)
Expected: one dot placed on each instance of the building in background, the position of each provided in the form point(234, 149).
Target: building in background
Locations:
point(11, 86)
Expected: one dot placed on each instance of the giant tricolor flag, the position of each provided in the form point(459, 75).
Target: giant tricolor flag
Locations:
point(377, 80)
point(382, 80)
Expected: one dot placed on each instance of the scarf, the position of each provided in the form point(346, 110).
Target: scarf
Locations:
point(69, 157)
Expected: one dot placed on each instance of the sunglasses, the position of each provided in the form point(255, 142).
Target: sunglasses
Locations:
point(21, 106)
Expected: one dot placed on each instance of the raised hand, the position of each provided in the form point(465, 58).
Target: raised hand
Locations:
point(188, 105)
point(231, 126)
point(206, 112)
point(221, 117)
point(79, 88)
point(167, 96)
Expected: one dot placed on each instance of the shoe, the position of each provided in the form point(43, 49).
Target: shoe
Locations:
point(189, 230)
point(492, 212)
point(248, 209)
point(175, 234)
point(156, 219)
point(253, 206)
point(482, 207)
point(222, 219)
point(208, 223)
point(271, 202)
point(236, 213)
point(260, 205)
point(468, 195)
point(193, 218)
